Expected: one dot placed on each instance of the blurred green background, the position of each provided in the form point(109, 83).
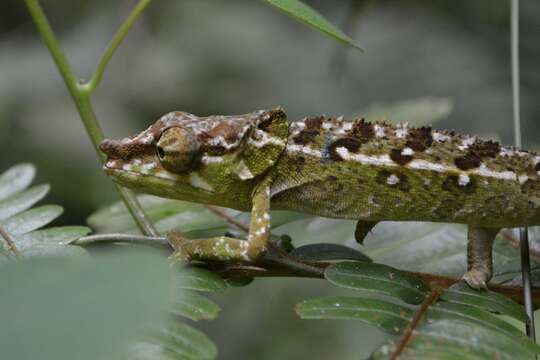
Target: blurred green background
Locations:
point(236, 56)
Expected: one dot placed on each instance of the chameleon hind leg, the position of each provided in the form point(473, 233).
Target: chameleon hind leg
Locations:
point(479, 256)
point(224, 248)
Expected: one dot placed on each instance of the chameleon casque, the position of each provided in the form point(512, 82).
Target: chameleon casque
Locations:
point(330, 167)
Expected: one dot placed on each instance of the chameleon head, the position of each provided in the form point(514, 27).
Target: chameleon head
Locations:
point(195, 158)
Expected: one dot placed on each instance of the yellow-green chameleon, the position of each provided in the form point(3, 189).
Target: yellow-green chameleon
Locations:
point(330, 167)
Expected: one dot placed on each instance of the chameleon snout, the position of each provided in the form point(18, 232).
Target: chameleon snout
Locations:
point(115, 149)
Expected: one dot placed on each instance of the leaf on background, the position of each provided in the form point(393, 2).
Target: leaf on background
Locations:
point(377, 278)
point(53, 308)
point(195, 307)
point(15, 179)
point(201, 280)
point(449, 310)
point(194, 220)
point(486, 300)
point(322, 251)
point(22, 222)
point(417, 112)
point(179, 341)
point(390, 318)
point(457, 307)
point(22, 201)
point(447, 339)
point(307, 15)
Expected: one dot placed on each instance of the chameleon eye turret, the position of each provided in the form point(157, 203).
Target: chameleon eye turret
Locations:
point(176, 149)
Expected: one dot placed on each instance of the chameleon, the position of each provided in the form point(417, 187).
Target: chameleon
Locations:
point(330, 167)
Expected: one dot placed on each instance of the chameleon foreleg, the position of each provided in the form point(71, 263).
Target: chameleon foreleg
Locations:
point(479, 256)
point(224, 248)
point(362, 229)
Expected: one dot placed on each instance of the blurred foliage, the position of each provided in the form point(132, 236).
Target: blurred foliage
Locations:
point(92, 306)
point(219, 56)
point(460, 323)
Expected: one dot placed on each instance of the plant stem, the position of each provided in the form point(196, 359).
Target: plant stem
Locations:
point(126, 238)
point(113, 45)
point(10, 242)
point(81, 94)
point(408, 332)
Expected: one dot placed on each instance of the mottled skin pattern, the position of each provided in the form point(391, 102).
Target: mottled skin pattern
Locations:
point(330, 167)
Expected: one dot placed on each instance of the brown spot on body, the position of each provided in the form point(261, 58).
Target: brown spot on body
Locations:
point(363, 130)
point(485, 149)
point(451, 184)
point(469, 161)
point(215, 150)
point(419, 139)
point(314, 123)
point(351, 144)
point(397, 157)
point(304, 137)
point(331, 178)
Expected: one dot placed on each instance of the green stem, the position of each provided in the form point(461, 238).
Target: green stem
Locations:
point(81, 94)
point(115, 42)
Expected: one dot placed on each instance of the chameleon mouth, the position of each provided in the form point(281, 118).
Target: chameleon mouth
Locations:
point(136, 168)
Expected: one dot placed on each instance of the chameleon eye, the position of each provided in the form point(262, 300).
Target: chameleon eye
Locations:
point(176, 149)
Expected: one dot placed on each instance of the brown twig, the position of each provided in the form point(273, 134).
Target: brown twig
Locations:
point(229, 219)
point(277, 263)
point(10, 242)
point(535, 254)
point(316, 270)
point(408, 332)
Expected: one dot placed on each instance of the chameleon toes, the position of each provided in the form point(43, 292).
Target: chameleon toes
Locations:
point(476, 279)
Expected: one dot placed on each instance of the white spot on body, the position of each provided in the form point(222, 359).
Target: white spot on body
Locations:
point(466, 142)
point(463, 180)
point(379, 131)
point(127, 167)
point(407, 151)
point(420, 164)
point(381, 160)
point(401, 130)
point(147, 167)
point(392, 180)
point(111, 164)
point(208, 159)
point(166, 175)
point(327, 125)
point(347, 126)
point(506, 152)
point(264, 139)
point(483, 170)
point(196, 181)
point(243, 171)
point(440, 137)
point(522, 179)
point(304, 149)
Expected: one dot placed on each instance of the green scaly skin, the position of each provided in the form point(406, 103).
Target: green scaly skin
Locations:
point(329, 167)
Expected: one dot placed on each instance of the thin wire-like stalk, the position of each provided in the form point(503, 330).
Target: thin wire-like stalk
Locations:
point(10, 242)
point(524, 232)
point(81, 93)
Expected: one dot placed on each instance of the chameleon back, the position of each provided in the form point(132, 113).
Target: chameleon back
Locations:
point(360, 170)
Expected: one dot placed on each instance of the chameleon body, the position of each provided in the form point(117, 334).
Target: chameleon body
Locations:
point(330, 167)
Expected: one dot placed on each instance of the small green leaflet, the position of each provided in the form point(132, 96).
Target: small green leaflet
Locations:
point(306, 14)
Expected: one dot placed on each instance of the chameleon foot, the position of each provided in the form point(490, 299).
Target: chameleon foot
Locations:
point(222, 249)
point(476, 279)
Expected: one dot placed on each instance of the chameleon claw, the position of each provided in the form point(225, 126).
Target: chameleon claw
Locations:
point(476, 279)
